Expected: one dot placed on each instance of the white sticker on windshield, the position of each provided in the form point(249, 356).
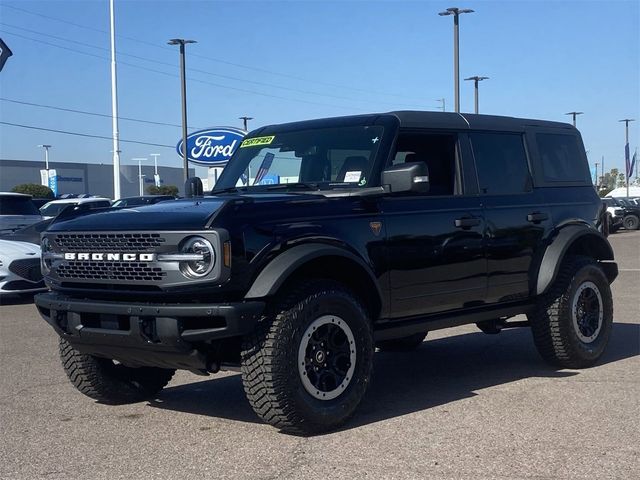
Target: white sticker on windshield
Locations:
point(352, 176)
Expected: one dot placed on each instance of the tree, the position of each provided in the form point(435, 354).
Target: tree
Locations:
point(621, 182)
point(162, 190)
point(33, 189)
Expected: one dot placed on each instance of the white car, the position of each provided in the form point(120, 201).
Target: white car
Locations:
point(54, 207)
point(20, 268)
point(17, 211)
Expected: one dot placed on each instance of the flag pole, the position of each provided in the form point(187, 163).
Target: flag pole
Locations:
point(114, 107)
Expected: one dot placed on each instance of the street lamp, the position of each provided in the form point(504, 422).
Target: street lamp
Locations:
point(182, 42)
point(441, 100)
point(46, 156)
point(156, 177)
point(456, 48)
point(140, 176)
point(626, 149)
point(245, 121)
point(476, 79)
point(574, 115)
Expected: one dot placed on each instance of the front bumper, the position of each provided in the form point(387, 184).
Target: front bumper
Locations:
point(142, 334)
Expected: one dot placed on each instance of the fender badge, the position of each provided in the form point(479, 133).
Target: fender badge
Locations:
point(376, 227)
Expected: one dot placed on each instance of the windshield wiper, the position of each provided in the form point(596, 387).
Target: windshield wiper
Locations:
point(296, 185)
point(227, 190)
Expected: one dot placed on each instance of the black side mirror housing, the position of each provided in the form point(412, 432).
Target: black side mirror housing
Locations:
point(407, 177)
point(193, 187)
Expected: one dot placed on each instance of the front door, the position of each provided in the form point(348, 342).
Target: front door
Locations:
point(435, 240)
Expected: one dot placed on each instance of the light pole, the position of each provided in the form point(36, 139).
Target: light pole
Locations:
point(182, 42)
point(596, 180)
point(574, 115)
point(441, 100)
point(156, 177)
point(114, 106)
point(456, 48)
point(626, 149)
point(140, 176)
point(476, 79)
point(245, 122)
point(46, 157)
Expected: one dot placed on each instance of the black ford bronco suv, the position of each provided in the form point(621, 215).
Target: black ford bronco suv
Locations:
point(325, 239)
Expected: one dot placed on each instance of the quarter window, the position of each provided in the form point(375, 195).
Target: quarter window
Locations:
point(501, 162)
point(560, 158)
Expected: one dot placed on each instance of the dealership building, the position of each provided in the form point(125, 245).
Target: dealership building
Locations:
point(91, 178)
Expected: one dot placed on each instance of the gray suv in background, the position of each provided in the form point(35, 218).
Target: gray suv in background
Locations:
point(17, 211)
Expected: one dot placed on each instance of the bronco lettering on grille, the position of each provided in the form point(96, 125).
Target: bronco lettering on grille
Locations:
point(111, 257)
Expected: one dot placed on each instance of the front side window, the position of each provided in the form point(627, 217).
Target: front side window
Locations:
point(501, 162)
point(324, 158)
point(438, 152)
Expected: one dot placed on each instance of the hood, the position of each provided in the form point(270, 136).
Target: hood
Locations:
point(186, 214)
point(9, 249)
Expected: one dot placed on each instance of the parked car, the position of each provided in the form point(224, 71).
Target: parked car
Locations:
point(30, 234)
point(631, 220)
point(615, 214)
point(20, 268)
point(17, 210)
point(143, 200)
point(54, 207)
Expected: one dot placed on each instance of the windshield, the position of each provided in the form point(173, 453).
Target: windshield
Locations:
point(15, 205)
point(53, 209)
point(324, 157)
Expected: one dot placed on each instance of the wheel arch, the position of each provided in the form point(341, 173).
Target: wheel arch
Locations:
point(574, 240)
point(315, 260)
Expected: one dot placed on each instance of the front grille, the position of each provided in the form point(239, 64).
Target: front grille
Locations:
point(28, 268)
point(109, 242)
point(110, 271)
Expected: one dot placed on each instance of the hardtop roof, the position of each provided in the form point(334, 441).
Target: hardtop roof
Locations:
point(420, 119)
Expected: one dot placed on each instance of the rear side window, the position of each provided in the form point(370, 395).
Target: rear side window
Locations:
point(501, 162)
point(10, 205)
point(560, 157)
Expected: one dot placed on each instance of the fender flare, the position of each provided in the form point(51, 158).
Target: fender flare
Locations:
point(284, 265)
point(555, 252)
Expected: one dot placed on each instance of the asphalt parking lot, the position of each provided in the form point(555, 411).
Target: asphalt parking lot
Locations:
point(464, 405)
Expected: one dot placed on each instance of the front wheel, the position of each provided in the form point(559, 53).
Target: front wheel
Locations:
point(571, 324)
point(308, 363)
point(104, 380)
point(631, 222)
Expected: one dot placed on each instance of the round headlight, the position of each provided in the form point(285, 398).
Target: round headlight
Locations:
point(45, 260)
point(206, 257)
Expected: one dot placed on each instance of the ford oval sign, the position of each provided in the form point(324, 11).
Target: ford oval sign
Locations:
point(212, 147)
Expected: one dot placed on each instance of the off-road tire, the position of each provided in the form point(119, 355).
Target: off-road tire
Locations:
point(107, 382)
point(631, 222)
point(552, 324)
point(404, 344)
point(270, 373)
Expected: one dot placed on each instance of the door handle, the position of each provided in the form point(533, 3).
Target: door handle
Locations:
point(467, 222)
point(537, 217)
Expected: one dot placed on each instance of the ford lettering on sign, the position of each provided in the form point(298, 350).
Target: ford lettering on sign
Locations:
point(212, 147)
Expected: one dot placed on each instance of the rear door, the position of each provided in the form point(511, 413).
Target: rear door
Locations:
point(435, 240)
point(515, 212)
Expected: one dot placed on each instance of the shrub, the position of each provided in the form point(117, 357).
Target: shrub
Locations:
point(33, 189)
point(162, 190)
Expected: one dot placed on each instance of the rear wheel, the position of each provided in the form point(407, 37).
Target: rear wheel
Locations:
point(104, 380)
point(404, 344)
point(308, 363)
point(631, 222)
point(571, 324)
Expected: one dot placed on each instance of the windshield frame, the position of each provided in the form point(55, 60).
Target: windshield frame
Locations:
point(389, 124)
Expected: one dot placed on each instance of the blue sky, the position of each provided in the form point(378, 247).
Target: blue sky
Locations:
point(285, 61)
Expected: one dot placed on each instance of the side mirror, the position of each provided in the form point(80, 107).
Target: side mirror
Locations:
point(193, 187)
point(407, 177)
